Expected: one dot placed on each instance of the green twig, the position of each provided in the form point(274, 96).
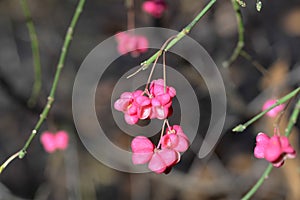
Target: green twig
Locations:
point(293, 119)
point(240, 43)
point(288, 130)
point(258, 183)
point(50, 101)
point(242, 127)
point(179, 36)
point(11, 158)
point(35, 54)
point(255, 63)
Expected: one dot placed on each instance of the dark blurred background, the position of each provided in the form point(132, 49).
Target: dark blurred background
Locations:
point(272, 39)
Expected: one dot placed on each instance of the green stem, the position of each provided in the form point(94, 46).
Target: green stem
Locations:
point(242, 127)
point(60, 65)
point(35, 54)
point(240, 43)
point(293, 119)
point(180, 35)
point(255, 63)
point(258, 183)
point(288, 130)
point(11, 158)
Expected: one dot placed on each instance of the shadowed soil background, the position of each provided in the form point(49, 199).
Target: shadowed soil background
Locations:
point(272, 38)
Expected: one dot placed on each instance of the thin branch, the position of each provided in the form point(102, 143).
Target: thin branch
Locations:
point(35, 54)
point(242, 127)
point(293, 119)
point(50, 101)
point(288, 130)
point(255, 63)
point(240, 43)
point(180, 35)
point(258, 183)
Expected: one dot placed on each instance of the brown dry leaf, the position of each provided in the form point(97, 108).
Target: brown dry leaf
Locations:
point(291, 22)
point(276, 76)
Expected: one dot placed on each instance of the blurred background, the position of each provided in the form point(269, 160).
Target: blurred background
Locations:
point(272, 42)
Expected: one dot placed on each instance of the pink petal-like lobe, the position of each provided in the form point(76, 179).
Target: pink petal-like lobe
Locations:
point(142, 150)
point(48, 141)
point(61, 140)
point(274, 112)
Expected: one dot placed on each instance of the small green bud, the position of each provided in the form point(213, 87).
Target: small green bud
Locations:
point(22, 154)
point(241, 3)
point(239, 128)
point(258, 5)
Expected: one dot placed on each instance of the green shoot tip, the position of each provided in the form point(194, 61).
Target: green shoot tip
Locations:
point(239, 128)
